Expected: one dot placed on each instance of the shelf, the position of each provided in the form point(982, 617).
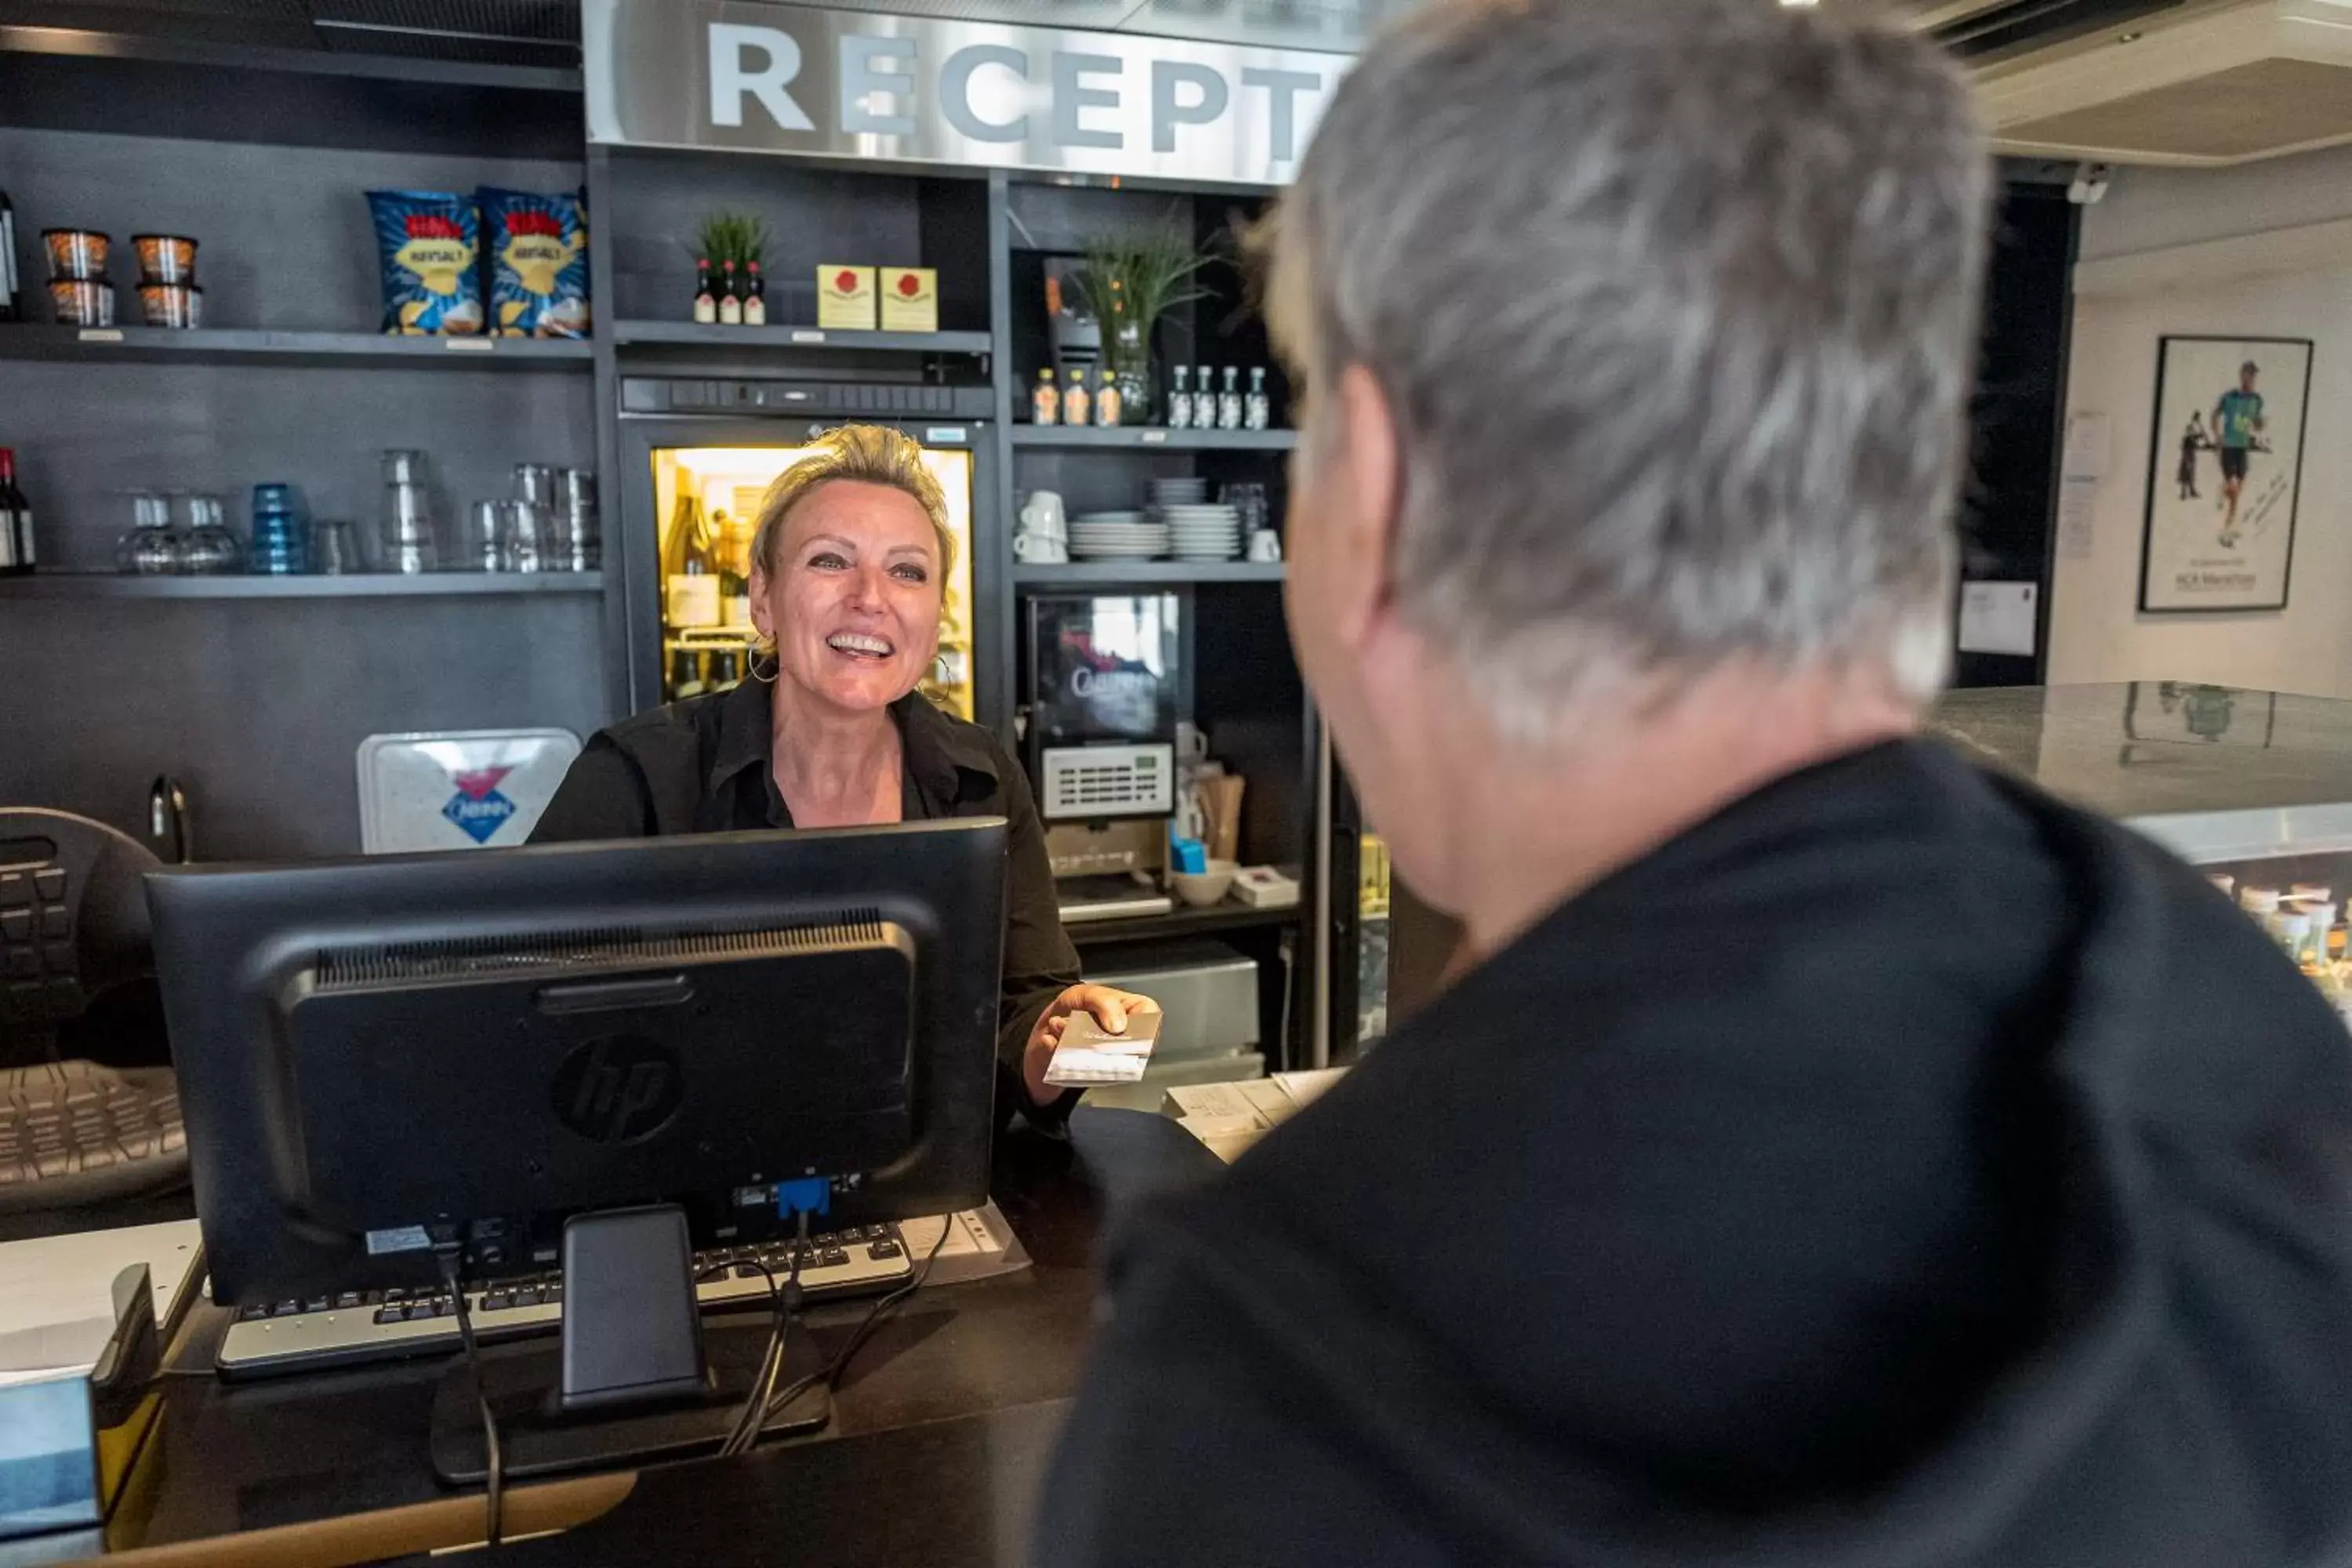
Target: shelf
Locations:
point(1230, 915)
point(696, 334)
point(1091, 573)
point(1153, 439)
point(93, 44)
point(217, 345)
point(358, 585)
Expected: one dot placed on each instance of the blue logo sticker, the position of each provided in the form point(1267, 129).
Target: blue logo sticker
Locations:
point(478, 816)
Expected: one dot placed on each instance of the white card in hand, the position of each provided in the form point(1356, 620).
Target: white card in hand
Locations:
point(1088, 1054)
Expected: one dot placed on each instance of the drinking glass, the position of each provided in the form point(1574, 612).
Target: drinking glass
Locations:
point(482, 547)
point(522, 531)
point(151, 549)
point(406, 540)
point(281, 533)
point(207, 547)
point(335, 547)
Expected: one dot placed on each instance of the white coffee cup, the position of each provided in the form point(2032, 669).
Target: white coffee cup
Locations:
point(1037, 550)
point(1043, 514)
point(1265, 546)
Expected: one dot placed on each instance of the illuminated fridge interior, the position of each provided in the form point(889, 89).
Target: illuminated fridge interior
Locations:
point(727, 482)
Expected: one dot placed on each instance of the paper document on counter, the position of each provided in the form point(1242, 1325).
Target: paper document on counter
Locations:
point(56, 1292)
point(1231, 1117)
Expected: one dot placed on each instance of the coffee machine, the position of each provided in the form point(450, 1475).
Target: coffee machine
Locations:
point(1104, 689)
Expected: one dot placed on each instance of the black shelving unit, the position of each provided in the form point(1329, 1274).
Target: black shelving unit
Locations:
point(1151, 437)
point(1145, 574)
point(1226, 917)
point(701, 335)
point(217, 345)
point(352, 585)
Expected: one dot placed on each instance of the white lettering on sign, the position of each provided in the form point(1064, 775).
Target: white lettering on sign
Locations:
point(1070, 95)
point(958, 102)
point(732, 80)
point(802, 80)
point(1167, 113)
point(1283, 89)
point(873, 69)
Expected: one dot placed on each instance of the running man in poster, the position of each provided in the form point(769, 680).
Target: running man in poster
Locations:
point(2237, 428)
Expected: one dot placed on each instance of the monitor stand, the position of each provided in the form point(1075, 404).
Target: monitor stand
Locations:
point(634, 1378)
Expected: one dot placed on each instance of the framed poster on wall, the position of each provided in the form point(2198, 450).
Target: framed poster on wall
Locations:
point(2225, 474)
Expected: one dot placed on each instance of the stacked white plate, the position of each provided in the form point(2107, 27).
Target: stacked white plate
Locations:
point(1116, 536)
point(1203, 532)
point(1179, 491)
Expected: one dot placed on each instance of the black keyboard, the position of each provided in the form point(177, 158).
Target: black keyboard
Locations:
point(356, 1326)
point(75, 1132)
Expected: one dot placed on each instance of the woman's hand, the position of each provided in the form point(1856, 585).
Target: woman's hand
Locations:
point(1111, 1008)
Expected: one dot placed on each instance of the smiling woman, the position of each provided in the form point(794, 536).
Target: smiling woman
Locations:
point(848, 569)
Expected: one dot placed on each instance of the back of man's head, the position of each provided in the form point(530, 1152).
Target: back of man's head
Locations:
point(1673, 306)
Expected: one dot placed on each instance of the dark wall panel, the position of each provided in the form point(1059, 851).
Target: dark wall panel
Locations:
point(284, 235)
point(84, 434)
point(259, 706)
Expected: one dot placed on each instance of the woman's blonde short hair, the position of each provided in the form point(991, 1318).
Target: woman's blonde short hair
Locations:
point(870, 455)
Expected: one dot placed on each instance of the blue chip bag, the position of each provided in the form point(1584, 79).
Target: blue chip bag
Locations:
point(430, 241)
point(537, 263)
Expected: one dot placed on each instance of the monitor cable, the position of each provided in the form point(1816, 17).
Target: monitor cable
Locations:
point(830, 1376)
point(494, 1462)
point(783, 1302)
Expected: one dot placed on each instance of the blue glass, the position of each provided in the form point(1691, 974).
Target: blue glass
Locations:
point(281, 531)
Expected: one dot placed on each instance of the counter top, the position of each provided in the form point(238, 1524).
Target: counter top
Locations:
point(2215, 772)
point(941, 1430)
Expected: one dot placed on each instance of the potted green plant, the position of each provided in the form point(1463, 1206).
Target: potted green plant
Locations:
point(731, 239)
point(1131, 280)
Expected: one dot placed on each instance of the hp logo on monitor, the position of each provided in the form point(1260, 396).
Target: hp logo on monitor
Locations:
point(622, 1088)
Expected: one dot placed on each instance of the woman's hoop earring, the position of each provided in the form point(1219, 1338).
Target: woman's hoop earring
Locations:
point(774, 667)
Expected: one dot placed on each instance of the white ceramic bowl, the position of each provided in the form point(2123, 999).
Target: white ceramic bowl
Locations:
point(1202, 889)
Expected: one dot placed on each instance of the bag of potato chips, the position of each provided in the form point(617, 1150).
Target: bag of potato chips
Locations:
point(429, 241)
point(537, 263)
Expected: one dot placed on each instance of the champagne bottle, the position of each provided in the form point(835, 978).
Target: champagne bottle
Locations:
point(685, 675)
point(706, 302)
point(689, 578)
point(1180, 399)
point(726, 669)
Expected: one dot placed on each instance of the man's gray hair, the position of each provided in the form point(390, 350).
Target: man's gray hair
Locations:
point(1675, 304)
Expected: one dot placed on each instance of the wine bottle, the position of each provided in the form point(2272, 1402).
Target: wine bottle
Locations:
point(685, 675)
point(706, 302)
point(734, 536)
point(12, 305)
point(16, 553)
point(1180, 399)
point(755, 297)
point(1046, 403)
point(690, 575)
point(730, 299)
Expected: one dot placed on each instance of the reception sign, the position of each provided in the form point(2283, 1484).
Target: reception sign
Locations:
point(748, 77)
point(2225, 472)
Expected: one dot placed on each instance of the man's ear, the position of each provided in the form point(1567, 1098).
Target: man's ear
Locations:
point(1373, 482)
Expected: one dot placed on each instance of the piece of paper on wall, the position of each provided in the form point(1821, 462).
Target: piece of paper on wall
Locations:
point(2078, 501)
point(1998, 618)
point(2087, 444)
